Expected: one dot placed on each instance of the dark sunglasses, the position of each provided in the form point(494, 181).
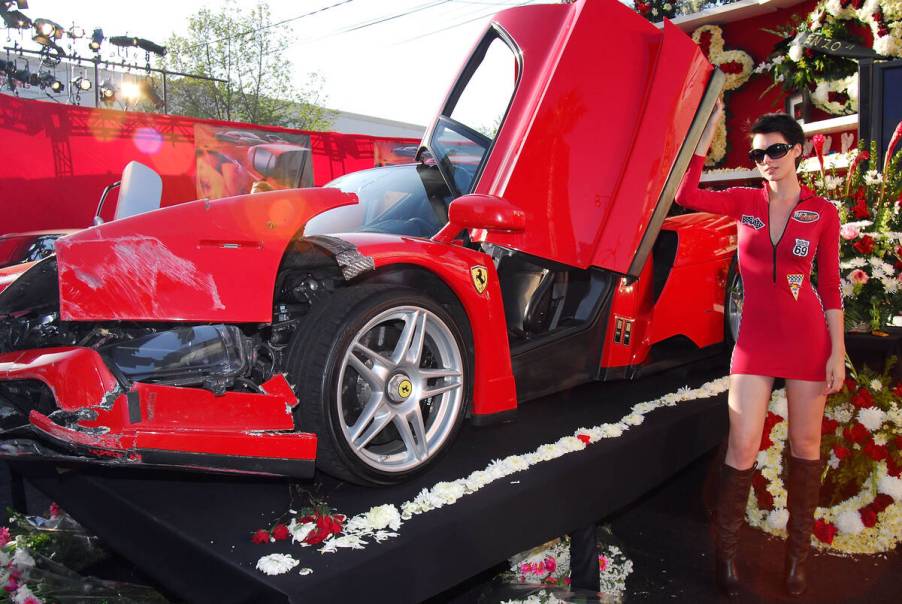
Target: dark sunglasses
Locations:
point(775, 151)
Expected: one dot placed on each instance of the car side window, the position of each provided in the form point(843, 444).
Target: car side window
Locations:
point(482, 104)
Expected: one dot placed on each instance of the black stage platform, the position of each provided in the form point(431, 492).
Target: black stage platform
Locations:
point(191, 532)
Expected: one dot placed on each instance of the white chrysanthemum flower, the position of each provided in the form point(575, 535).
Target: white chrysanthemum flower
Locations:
point(873, 178)
point(477, 479)
point(611, 430)
point(570, 444)
point(777, 519)
point(833, 461)
point(871, 418)
point(305, 571)
point(22, 595)
point(446, 493)
point(847, 288)
point(780, 406)
point(332, 545)
point(276, 564)
point(849, 522)
point(895, 415)
point(300, 530)
point(891, 486)
point(857, 262)
point(880, 439)
point(633, 419)
point(843, 413)
point(890, 284)
point(779, 60)
point(22, 560)
point(795, 52)
point(876, 385)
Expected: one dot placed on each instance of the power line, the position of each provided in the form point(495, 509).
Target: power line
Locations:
point(271, 25)
point(443, 29)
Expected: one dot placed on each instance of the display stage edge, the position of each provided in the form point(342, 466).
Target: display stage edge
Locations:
point(191, 532)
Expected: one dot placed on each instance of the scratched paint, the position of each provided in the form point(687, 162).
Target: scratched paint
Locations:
point(134, 272)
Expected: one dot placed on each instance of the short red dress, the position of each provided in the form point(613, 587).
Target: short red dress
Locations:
point(783, 330)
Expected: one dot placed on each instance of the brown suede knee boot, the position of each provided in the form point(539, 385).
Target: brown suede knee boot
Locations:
point(803, 487)
point(730, 513)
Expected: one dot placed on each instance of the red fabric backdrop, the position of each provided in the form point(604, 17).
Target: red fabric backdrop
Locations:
point(56, 159)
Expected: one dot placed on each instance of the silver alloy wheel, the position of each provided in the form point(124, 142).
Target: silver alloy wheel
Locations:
point(400, 389)
point(734, 304)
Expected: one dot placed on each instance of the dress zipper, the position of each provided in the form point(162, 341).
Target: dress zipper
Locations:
point(785, 226)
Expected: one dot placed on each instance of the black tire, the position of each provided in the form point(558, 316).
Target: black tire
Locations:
point(315, 360)
point(729, 337)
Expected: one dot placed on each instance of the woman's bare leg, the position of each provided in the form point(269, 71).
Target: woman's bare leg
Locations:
point(748, 398)
point(806, 411)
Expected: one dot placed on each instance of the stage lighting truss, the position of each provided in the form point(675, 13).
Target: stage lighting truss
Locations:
point(145, 45)
point(15, 19)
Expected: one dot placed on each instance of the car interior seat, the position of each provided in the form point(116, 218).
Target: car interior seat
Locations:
point(141, 190)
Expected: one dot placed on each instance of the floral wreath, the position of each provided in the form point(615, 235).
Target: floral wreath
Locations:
point(833, 81)
point(656, 10)
point(738, 67)
point(862, 440)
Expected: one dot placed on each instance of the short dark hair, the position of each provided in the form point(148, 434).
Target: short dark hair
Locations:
point(781, 123)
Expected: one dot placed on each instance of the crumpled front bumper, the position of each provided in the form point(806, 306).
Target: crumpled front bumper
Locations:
point(93, 417)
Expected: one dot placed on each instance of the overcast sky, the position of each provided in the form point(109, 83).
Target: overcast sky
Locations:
point(399, 68)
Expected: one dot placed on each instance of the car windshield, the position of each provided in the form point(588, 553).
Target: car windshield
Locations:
point(402, 200)
point(463, 135)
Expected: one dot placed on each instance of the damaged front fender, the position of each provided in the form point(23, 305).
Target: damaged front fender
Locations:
point(199, 261)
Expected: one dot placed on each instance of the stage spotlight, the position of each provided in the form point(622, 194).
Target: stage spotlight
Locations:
point(149, 92)
point(107, 93)
point(96, 40)
point(57, 86)
point(127, 41)
point(81, 83)
point(76, 32)
point(47, 32)
point(16, 20)
point(130, 91)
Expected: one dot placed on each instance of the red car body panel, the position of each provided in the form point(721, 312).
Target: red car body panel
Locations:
point(577, 121)
point(493, 380)
point(706, 247)
point(198, 261)
point(151, 417)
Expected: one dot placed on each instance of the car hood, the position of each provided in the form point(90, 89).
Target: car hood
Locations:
point(197, 261)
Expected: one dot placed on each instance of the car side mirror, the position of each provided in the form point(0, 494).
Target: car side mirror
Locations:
point(485, 212)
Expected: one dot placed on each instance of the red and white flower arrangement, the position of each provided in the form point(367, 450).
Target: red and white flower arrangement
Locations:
point(862, 492)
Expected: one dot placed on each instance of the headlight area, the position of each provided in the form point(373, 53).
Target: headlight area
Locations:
point(211, 356)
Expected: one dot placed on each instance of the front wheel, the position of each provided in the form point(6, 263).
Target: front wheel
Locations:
point(733, 304)
point(382, 379)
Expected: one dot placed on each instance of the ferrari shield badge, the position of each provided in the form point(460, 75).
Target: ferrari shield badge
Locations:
point(480, 277)
point(795, 284)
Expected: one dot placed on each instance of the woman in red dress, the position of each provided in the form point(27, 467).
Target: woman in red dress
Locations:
point(788, 329)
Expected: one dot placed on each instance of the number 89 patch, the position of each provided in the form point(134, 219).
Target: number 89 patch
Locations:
point(801, 248)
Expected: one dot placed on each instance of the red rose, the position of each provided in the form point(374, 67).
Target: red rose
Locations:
point(881, 502)
point(857, 433)
point(865, 245)
point(850, 383)
point(875, 452)
point(892, 468)
point(828, 426)
point(824, 531)
point(260, 536)
point(765, 500)
point(280, 532)
point(766, 442)
point(861, 212)
point(863, 398)
point(897, 389)
point(840, 452)
point(868, 516)
point(585, 438)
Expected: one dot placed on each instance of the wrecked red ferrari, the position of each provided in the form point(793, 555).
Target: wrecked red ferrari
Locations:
point(356, 326)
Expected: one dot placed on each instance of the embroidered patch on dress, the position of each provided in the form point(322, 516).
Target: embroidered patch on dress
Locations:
point(805, 216)
point(801, 248)
point(795, 284)
point(752, 221)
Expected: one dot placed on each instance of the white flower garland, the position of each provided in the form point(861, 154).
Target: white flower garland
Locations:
point(821, 95)
point(373, 523)
point(852, 536)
